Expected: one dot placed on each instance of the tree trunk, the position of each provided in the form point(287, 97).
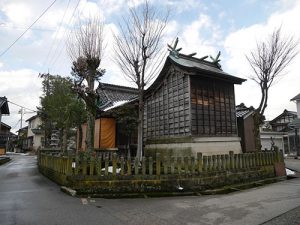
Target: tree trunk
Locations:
point(65, 137)
point(139, 152)
point(90, 132)
point(91, 111)
point(80, 137)
point(256, 131)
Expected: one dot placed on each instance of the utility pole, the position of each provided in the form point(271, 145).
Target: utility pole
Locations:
point(21, 111)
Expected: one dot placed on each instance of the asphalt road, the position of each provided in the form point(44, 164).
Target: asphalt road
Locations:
point(293, 164)
point(26, 197)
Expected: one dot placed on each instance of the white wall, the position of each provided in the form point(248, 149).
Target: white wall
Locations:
point(265, 138)
point(298, 108)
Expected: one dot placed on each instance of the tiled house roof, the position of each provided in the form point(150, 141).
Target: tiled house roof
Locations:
point(243, 111)
point(110, 95)
point(297, 97)
point(4, 106)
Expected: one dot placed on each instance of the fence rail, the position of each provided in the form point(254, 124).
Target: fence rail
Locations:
point(118, 166)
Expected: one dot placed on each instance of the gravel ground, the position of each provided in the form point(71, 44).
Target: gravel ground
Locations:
point(291, 217)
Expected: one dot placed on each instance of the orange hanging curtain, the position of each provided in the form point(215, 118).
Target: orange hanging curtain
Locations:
point(107, 139)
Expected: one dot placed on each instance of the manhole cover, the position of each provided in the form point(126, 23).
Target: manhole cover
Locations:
point(98, 206)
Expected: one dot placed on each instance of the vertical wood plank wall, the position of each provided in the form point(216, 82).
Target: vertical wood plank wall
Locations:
point(167, 109)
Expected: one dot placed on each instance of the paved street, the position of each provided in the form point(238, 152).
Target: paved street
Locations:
point(293, 164)
point(26, 197)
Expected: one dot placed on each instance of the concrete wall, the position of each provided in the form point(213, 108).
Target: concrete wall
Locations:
point(265, 138)
point(205, 145)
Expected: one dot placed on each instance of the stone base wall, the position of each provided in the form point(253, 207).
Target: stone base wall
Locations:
point(105, 176)
point(168, 183)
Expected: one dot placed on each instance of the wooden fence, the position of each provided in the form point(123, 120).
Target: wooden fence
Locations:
point(117, 167)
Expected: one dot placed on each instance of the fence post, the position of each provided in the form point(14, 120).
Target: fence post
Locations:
point(204, 163)
point(172, 165)
point(219, 162)
point(136, 166)
point(193, 165)
point(222, 158)
point(199, 162)
point(165, 165)
point(92, 165)
point(235, 161)
point(114, 164)
point(255, 159)
point(122, 165)
point(106, 162)
point(150, 166)
point(209, 163)
point(98, 166)
point(250, 160)
point(231, 160)
point(179, 160)
point(214, 164)
point(144, 166)
point(158, 164)
point(69, 165)
point(128, 162)
point(186, 165)
point(77, 165)
point(263, 159)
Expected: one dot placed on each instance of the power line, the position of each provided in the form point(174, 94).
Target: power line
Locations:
point(27, 28)
point(57, 31)
point(24, 28)
point(21, 106)
point(3, 98)
point(53, 59)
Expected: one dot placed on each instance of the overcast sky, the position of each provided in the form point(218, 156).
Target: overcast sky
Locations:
point(206, 27)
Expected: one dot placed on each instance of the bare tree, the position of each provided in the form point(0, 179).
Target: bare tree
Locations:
point(138, 50)
point(268, 61)
point(85, 48)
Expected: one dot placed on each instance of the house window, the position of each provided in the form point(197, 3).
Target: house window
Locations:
point(213, 108)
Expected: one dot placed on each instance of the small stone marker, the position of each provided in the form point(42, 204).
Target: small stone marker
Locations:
point(84, 201)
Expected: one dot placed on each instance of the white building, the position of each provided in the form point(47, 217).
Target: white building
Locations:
point(35, 134)
point(295, 124)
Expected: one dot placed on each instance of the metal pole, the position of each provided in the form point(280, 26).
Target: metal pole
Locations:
point(21, 117)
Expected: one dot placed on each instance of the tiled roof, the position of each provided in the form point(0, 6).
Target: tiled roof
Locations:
point(32, 118)
point(243, 111)
point(199, 67)
point(285, 112)
point(295, 123)
point(5, 125)
point(4, 105)
point(109, 94)
point(297, 97)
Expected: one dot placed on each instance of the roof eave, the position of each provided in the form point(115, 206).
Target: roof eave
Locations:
point(219, 75)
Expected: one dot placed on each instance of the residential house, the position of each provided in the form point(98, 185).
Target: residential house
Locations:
point(275, 132)
point(4, 138)
point(4, 110)
point(22, 140)
point(35, 134)
point(280, 123)
point(295, 125)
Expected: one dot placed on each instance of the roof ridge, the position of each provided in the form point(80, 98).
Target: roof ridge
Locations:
point(202, 60)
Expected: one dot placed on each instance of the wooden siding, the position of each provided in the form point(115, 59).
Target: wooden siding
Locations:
point(212, 108)
point(167, 109)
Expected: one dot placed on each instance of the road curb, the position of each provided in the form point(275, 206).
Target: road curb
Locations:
point(68, 191)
